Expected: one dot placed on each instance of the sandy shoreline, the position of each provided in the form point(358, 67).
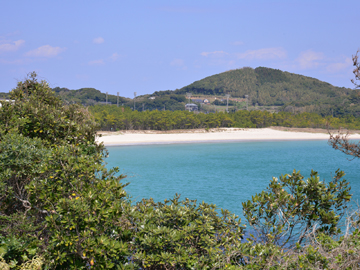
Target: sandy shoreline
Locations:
point(213, 135)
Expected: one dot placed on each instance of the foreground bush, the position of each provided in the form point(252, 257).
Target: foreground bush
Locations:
point(57, 200)
point(184, 235)
point(287, 211)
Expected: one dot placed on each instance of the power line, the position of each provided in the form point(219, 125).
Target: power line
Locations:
point(227, 102)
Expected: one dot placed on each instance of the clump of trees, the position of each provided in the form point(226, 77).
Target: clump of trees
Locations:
point(117, 118)
point(57, 201)
point(60, 208)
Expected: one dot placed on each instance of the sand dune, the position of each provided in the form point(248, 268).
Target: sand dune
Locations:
point(214, 135)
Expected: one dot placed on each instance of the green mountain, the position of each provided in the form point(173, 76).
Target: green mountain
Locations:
point(272, 87)
point(91, 96)
point(4, 95)
point(87, 96)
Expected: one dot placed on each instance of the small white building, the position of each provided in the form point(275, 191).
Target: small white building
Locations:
point(191, 107)
point(6, 100)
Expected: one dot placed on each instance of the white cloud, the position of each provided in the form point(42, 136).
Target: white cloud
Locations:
point(309, 59)
point(215, 53)
point(96, 62)
point(237, 43)
point(177, 62)
point(264, 54)
point(45, 51)
point(180, 63)
point(114, 57)
point(10, 47)
point(336, 67)
point(98, 40)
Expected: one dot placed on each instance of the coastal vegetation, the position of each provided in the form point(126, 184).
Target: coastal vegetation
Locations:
point(60, 208)
point(112, 118)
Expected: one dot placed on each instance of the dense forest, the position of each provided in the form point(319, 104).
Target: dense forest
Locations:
point(118, 118)
point(91, 96)
point(86, 96)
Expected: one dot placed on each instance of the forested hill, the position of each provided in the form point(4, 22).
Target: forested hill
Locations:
point(267, 87)
point(87, 96)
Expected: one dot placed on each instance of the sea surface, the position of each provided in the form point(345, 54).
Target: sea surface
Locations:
point(225, 174)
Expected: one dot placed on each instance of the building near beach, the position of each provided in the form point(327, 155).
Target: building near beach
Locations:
point(5, 100)
point(198, 100)
point(191, 107)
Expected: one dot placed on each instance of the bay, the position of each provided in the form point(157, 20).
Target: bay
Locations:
point(225, 174)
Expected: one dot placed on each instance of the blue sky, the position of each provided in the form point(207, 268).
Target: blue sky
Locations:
point(147, 46)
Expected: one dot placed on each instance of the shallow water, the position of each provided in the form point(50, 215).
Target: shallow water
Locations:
point(225, 174)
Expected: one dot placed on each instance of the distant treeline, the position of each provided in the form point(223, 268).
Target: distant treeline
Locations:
point(119, 118)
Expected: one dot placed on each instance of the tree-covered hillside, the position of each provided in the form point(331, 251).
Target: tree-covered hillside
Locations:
point(4, 95)
point(86, 96)
point(267, 87)
point(92, 96)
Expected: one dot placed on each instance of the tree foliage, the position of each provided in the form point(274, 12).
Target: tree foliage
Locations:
point(356, 70)
point(341, 141)
point(291, 207)
point(116, 118)
point(184, 235)
point(86, 96)
point(50, 166)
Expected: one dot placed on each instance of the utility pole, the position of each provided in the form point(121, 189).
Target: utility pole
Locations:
point(227, 102)
point(247, 101)
point(189, 96)
point(134, 99)
point(117, 103)
point(143, 106)
point(106, 98)
point(164, 107)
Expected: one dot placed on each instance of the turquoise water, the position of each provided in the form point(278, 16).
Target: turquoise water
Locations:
point(225, 174)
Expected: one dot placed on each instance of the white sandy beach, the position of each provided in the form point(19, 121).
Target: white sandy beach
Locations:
point(215, 135)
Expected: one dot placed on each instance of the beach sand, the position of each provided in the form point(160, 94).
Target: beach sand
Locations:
point(136, 137)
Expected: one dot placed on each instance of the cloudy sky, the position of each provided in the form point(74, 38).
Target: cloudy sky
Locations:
point(146, 46)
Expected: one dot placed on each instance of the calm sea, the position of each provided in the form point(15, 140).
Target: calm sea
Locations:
point(225, 174)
